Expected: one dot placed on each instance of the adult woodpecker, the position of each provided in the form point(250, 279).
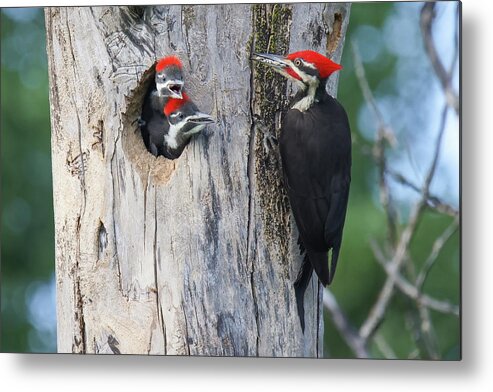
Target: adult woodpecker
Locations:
point(168, 84)
point(184, 121)
point(315, 147)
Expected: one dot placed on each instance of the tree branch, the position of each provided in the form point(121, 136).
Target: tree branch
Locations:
point(384, 133)
point(412, 291)
point(433, 202)
point(384, 347)
point(436, 249)
point(347, 331)
point(400, 242)
point(427, 16)
point(378, 310)
point(428, 334)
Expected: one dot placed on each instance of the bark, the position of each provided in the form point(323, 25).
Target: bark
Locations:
point(195, 256)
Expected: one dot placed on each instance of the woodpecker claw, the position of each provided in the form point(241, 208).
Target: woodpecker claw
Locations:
point(269, 142)
point(140, 122)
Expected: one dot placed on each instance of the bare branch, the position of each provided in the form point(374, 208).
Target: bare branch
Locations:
point(367, 93)
point(347, 331)
point(455, 58)
point(385, 133)
point(379, 308)
point(424, 332)
point(428, 334)
point(400, 244)
point(438, 143)
point(427, 15)
point(433, 202)
point(392, 268)
point(412, 291)
point(384, 347)
point(435, 251)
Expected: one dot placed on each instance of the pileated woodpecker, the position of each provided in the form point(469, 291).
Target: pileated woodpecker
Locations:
point(168, 84)
point(184, 121)
point(315, 146)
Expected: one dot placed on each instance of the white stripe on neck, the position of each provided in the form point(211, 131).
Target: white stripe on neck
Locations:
point(171, 137)
point(305, 103)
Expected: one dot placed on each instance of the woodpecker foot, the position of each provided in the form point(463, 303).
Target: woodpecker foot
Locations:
point(141, 123)
point(269, 141)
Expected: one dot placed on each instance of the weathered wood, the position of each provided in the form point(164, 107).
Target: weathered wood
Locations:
point(195, 256)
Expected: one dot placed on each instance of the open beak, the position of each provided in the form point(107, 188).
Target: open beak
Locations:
point(277, 62)
point(172, 88)
point(200, 118)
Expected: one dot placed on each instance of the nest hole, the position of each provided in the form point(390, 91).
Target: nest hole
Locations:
point(157, 169)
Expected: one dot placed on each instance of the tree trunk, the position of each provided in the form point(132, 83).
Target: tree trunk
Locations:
point(195, 256)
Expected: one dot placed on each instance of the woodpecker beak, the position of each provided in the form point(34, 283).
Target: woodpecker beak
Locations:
point(200, 118)
point(279, 63)
point(171, 88)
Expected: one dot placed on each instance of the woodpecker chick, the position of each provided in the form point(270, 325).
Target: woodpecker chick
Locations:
point(168, 84)
point(169, 77)
point(185, 120)
point(315, 147)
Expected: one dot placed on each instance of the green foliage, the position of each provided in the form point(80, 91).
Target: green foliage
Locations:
point(27, 212)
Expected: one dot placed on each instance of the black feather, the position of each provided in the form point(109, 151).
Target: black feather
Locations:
point(300, 286)
point(154, 124)
point(315, 150)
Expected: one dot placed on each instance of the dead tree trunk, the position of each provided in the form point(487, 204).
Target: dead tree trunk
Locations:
point(195, 256)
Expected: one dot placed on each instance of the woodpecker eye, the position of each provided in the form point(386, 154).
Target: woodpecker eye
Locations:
point(297, 62)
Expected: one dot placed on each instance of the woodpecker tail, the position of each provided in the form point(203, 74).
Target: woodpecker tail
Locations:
point(304, 276)
point(320, 263)
point(333, 261)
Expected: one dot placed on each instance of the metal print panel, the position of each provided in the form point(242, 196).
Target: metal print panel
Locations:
point(261, 180)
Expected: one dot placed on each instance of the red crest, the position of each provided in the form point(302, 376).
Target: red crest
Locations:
point(173, 104)
point(168, 61)
point(324, 65)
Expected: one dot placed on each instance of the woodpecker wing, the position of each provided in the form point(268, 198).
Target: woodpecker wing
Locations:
point(157, 128)
point(155, 123)
point(315, 149)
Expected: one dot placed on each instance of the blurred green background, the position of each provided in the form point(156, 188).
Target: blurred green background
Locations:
point(391, 47)
point(27, 280)
point(407, 92)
